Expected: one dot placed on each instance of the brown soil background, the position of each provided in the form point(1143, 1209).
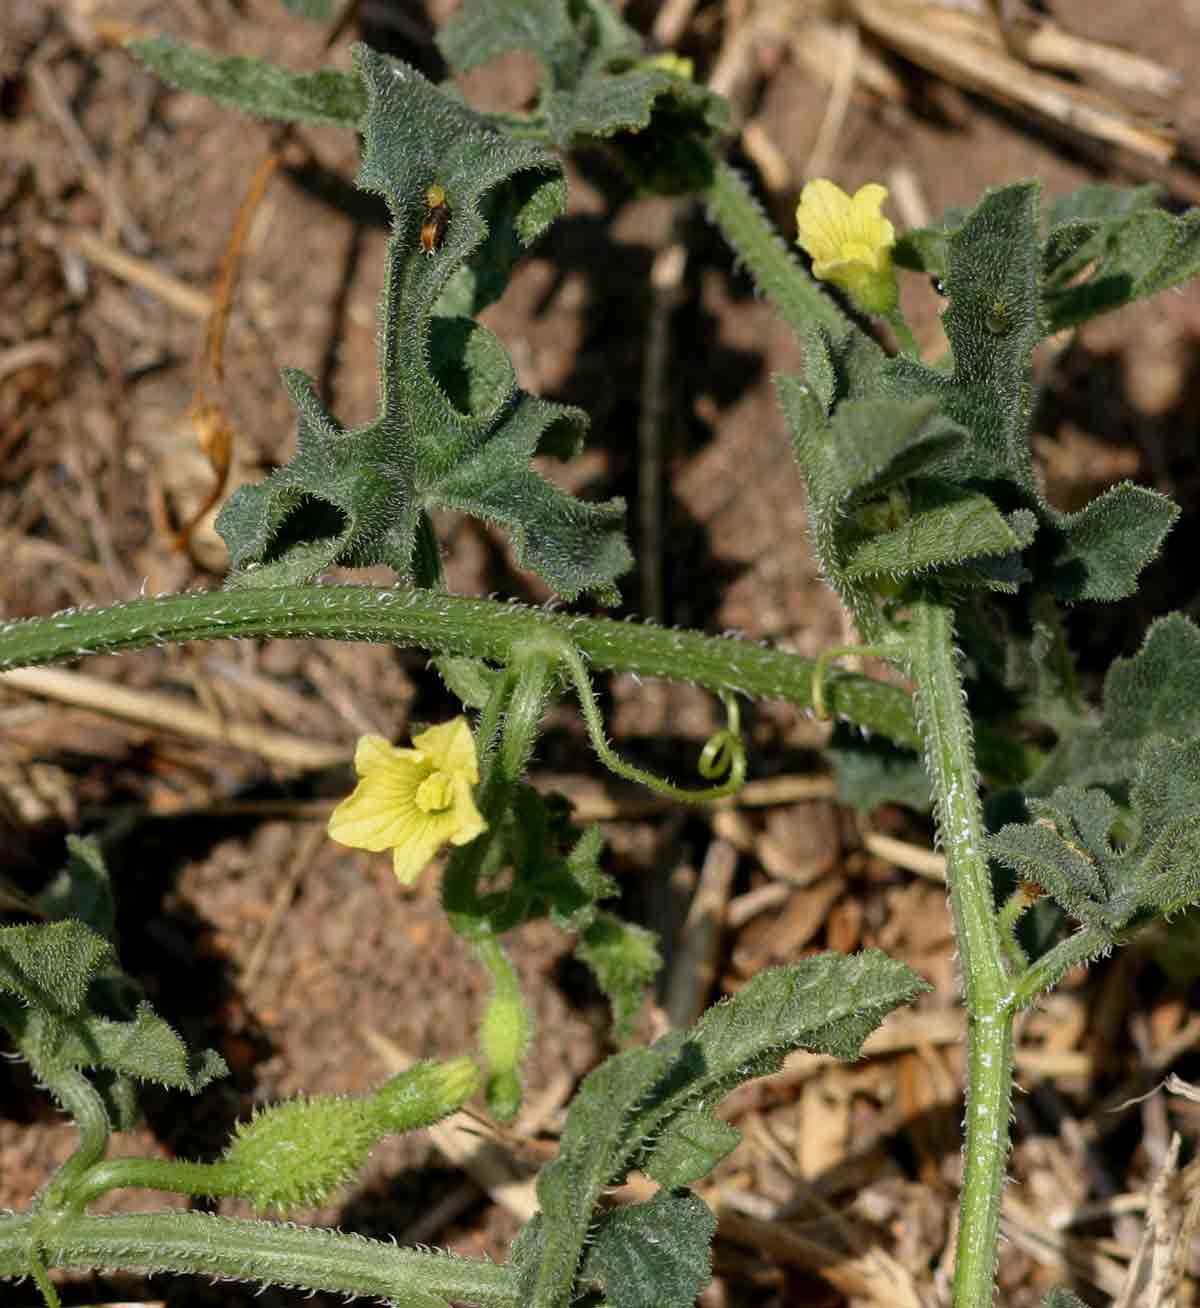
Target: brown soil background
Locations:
point(255, 935)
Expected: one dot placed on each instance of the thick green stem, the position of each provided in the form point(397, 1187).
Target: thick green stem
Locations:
point(775, 269)
point(452, 625)
point(988, 991)
point(256, 1251)
point(78, 1097)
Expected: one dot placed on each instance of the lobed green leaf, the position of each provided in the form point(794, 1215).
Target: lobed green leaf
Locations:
point(1101, 262)
point(1114, 829)
point(874, 772)
point(145, 1048)
point(626, 1108)
point(690, 1146)
point(82, 890)
point(454, 431)
point(624, 959)
point(1102, 247)
point(948, 525)
point(597, 84)
point(991, 262)
point(51, 967)
point(652, 1255)
point(1154, 693)
point(67, 1004)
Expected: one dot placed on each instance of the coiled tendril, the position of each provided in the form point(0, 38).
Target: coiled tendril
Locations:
point(723, 755)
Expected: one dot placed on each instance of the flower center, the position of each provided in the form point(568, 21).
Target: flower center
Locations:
point(859, 252)
point(436, 793)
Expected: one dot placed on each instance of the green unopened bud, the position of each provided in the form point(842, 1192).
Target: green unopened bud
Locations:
point(503, 1033)
point(423, 1095)
point(504, 1092)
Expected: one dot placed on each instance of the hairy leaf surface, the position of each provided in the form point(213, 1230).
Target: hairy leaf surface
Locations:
point(49, 972)
point(652, 1255)
point(597, 84)
point(256, 86)
point(454, 431)
point(1114, 829)
point(66, 1002)
point(976, 518)
point(1101, 247)
point(626, 1109)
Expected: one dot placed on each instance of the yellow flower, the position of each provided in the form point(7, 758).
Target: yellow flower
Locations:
point(669, 62)
point(412, 801)
point(850, 242)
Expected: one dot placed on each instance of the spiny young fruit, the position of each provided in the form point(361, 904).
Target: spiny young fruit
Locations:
point(298, 1153)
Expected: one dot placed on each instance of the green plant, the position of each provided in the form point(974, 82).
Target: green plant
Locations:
point(928, 521)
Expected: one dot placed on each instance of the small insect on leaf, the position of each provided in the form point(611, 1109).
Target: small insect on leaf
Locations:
point(437, 219)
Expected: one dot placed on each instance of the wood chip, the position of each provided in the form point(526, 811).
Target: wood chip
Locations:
point(170, 713)
point(694, 966)
point(970, 63)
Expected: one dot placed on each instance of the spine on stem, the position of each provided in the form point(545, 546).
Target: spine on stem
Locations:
point(450, 624)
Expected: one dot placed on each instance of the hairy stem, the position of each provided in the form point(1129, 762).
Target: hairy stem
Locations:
point(78, 1097)
point(775, 269)
point(952, 773)
point(454, 625)
point(176, 1176)
point(256, 1251)
point(1046, 972)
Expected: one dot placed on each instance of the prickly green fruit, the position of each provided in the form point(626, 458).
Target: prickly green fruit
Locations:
point(296, 1154)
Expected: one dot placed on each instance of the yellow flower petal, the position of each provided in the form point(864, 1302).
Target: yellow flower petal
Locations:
point(378, 811)
point(821, 219)
point(469, 818)
point(410, 859)
point(373, 753)
point(849, 241)
point(450, 747)
point(412, 801)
